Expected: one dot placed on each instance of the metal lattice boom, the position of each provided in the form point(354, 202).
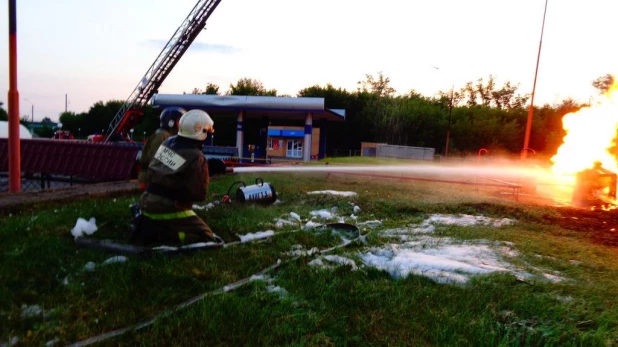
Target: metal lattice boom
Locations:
point(184, 36)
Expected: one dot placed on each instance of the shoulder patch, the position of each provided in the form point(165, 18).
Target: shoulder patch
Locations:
point(169, 158)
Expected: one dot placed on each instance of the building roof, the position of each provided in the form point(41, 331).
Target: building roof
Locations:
point(274, 107)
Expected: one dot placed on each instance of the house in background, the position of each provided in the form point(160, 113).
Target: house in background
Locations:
point(288, 142)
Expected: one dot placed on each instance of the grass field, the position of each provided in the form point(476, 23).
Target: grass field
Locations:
point(557, 284)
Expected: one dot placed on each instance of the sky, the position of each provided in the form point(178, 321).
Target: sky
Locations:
point(99, 50)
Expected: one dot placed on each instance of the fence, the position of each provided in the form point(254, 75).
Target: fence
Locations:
point(58, 163)
point(383, 150)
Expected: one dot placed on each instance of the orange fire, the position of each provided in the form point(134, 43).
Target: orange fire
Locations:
point(591, 132)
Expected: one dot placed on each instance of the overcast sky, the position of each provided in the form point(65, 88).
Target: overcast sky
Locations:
point(99, 50)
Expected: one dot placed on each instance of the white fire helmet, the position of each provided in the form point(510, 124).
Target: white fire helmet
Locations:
point(195, 124)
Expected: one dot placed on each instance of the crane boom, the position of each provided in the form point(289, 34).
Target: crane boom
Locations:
point(131, 111)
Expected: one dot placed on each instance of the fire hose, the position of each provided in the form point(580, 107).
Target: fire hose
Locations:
point(222, 290)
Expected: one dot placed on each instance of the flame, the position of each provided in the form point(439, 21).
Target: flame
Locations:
point(591, 132)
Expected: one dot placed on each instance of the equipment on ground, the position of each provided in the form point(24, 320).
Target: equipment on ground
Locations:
point(260, 192)
point(132, 110)
point(594, 187)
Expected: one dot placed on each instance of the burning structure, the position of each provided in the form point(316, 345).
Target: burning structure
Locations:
point(594, 187)
point(587, 154)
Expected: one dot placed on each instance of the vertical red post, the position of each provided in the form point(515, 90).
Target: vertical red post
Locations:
point(536, 72)
point(14, 150)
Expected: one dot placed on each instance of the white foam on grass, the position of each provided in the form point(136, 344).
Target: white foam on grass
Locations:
point(311, 224)
point(90, 266)
point(280, 223)
point(297, 252)
point(370, 223)
point(332, 192)
point(256, 236)
point(11, 342)
point(51, 343)
point(277, 290)
point(31, 311)
point(323, 214)
point(295, 216)
point(448, 263)
point(553, 278)
point(466, 220)
point(446, 260)
point(329, 261)
point(83, 226)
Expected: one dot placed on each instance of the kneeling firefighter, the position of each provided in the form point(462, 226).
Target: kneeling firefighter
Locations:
point(177, 177)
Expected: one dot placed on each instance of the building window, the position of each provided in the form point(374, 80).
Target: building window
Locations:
point(295, 149)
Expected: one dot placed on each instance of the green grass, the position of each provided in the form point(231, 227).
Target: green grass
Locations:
point(322, 307)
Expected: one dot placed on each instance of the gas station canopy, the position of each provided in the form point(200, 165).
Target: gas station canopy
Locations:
point(274, 107)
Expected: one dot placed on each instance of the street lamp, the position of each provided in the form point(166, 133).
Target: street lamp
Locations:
point(79, 132)
point(132, 130)
point(531, 110)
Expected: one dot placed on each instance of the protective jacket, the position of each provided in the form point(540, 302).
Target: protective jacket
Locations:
point(177, 177)
point(148, 152)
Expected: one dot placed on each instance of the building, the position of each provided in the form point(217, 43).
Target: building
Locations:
point(288, 143)
point(267, 126)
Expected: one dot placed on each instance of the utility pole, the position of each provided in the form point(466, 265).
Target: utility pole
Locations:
point(531, 110)
point(13, 98)
point(448, 128)
point(450, 115)
point(65, 102)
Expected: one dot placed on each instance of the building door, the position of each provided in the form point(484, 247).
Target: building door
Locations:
point(295, 149)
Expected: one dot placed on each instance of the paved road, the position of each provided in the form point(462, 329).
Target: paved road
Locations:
point(15, 202)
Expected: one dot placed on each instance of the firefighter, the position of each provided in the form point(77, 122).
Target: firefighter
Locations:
point(168, 126)
point(177, 177)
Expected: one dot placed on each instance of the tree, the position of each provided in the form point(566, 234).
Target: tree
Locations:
point(249, 86)
point(486, 94)
point(603, 83)
point(379, 87)
point(211, 89)
point(3, 114)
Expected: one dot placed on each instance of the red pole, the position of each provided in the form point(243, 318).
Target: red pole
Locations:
point(14, 150)
point(531, 110)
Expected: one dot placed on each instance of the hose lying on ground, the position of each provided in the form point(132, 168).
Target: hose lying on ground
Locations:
point(224, 289)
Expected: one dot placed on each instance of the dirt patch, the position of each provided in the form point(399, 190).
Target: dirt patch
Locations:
point(17, 202)
point(602, 226)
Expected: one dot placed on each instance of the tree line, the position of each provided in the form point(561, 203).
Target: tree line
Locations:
point(480, 114)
